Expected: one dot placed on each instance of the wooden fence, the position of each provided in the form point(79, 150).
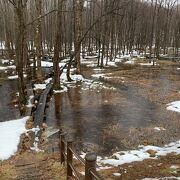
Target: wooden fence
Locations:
point(67, 153)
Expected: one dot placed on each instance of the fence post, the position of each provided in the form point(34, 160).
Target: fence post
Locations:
point(69, 158)
point(90, 163)
point(62, 146)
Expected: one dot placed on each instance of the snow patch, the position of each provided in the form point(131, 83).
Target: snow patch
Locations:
point(148, 64)
point(7, 67)
point(123, 157)
point(140, 154)
point(39, 86)
point(116, 174)
point(15, 77)
point(159, 129)
point(63, 89)
point(163, 178)
point(174, 106)
point(10, 132)
point(29, 105)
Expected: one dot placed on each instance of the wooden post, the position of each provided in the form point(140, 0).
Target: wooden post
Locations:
point(90, 164)
point(69, 158)
point(62, 146)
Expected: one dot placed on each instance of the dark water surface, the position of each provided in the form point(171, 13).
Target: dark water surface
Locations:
point(91, 116)
point(7, 111)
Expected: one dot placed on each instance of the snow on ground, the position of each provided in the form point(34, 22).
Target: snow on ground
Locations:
point(111, 63)
point(98, 75)
point(130, 62)
point(163, 178)
point(47, 81)
point(7, 67)
point(43, 85)
point(4, 61)
point(98, 69)
point(77, 77)
point(147, 64)
point(15, 77)
point(140, 154)
point(101, 75)
point(39, 86)
point(91, 57)
point(118, 60)
point(126, 56)
point(29, 105)
point(36, 140)
point(10, 132)
point(116, 174)
point(2, 45)
point(92, 65)
point(174, 106)
point(74, 77)
point(123, 157)
point(63, 89)
point(159, 129)
point(49, 64)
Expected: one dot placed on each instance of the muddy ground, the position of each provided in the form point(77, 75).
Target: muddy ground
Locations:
point(158, 86)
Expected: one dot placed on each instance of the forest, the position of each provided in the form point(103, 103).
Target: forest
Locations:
point(104, 72)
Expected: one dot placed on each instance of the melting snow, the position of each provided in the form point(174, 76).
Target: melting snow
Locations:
point(63, 89)
point(15, 77)
point(29, 105)
point(174, 106)
point(7, 67)
point(116, 174)
point(141, 154)
point(10, 132)
point(49, 64)
point(39, 86)
point(129, 62)
point(147, 64)
point(163, 178)
point(159, 128)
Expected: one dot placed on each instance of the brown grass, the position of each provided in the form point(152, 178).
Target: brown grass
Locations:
point(158, 168)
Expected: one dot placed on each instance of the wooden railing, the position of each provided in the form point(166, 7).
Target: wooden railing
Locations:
point(67, 154)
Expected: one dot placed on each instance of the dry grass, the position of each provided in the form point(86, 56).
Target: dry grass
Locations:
point(48, 165)
point(7, 171)
point(159, 85)
point(157, 168)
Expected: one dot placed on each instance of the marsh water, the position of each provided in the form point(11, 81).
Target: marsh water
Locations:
point(92, 116)
point(7, 110)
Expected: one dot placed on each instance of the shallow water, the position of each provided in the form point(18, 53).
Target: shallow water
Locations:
point(92, 116)
point(7, 111)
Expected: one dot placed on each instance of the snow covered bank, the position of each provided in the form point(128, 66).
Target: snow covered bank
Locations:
point(148, 64)
point(7, 67)
point(29, 105)
point(15, 77)
point(174, 106)
point(49, 64)
point(39, 86)
point(140, 154)
point(130, 62)
point(10, 132)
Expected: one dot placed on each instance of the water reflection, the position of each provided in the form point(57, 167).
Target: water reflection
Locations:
point(7, 111)
point(92, 116)
point(88, 115)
